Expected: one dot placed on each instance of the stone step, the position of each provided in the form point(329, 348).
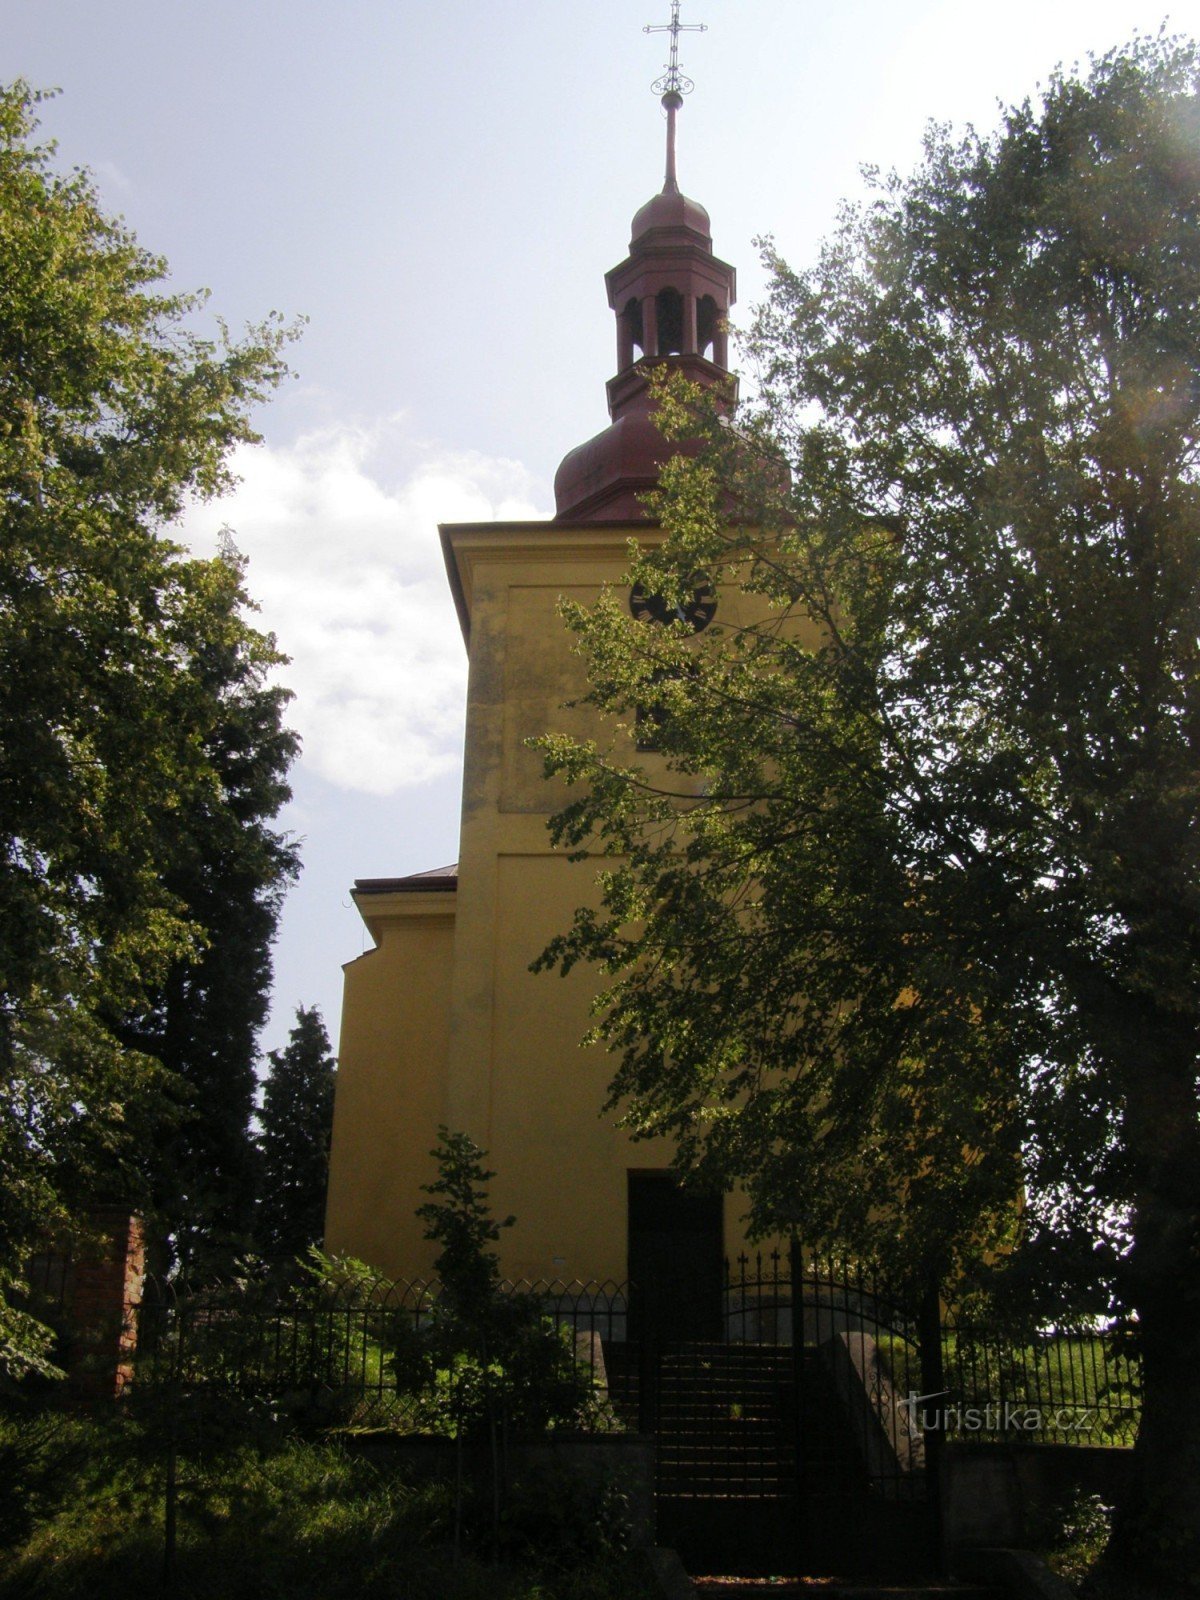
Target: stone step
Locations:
point(764, 1382)
point(705, 1392)
point(717, 1588)
point(692, 1481)
point(699, 1426)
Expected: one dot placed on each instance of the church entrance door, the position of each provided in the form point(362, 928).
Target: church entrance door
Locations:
point(676, 1259)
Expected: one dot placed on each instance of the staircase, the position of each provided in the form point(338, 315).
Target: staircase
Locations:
point(752, 1477)
point(832, 1589)
point(621, 1368)
point(726, 1427)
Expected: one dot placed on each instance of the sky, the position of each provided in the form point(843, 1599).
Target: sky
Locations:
point(438, 186)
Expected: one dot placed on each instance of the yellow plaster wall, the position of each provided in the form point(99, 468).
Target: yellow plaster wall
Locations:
point(560, 1165)
point(444, 1022)
point(391, 1083)
point(535, 1107)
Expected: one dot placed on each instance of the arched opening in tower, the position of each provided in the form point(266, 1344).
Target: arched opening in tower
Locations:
point(669, 305)
point(706, 324)
point(634, 333)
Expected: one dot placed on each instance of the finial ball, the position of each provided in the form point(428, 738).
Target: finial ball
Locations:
point(672, 100)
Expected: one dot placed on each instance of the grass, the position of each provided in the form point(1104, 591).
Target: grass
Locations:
point(305, 1520)
point(1085, 1384)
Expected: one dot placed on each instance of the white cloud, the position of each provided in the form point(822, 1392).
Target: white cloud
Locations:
point(348, 573)
point(112, 176)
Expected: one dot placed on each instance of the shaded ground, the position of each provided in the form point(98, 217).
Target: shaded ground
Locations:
point(83, 1515)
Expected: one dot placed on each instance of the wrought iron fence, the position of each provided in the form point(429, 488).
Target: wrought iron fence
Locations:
point(349, 1349)
point(1064, 1386)
point(857, 1362)
point(1061, 1386)
point(365, 1351)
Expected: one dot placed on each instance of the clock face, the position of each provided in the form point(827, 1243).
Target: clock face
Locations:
point(697, 606)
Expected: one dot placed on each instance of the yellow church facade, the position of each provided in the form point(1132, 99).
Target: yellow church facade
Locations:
point(443, 1022)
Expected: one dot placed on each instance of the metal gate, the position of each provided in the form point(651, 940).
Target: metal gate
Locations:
point(794, 1442)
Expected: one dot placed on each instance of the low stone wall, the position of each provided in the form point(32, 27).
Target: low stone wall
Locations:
point(1016, 1574)
point(591, 1459)
point(997, 1494)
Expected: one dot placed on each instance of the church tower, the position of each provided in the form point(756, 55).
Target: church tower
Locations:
point(443, 1022)
point(671, 296)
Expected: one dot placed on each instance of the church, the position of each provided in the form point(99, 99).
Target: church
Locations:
point(443, 1022)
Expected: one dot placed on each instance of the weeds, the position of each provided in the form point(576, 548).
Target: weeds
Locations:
point(301, 1519)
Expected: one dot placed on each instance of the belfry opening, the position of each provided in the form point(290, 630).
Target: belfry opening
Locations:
point(671, 297)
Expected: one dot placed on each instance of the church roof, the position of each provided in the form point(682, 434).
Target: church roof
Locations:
point(445, 878)
point(672, 210)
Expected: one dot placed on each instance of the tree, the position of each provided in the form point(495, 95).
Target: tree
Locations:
point(459, 1218)
point(114, 412)
point(493, 1359)
point(231, 871)
point(297, 1119)
point(903, 915)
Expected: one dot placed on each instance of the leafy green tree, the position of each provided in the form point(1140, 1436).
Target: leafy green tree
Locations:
point(231, 871)
point(115, 724)
point(492, 1357)
point(459, 1218)
point(905, 911)
point(297, 1119)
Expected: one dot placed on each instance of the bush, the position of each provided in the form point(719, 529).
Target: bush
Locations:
point(301, 1520)
point(557, 1523)
point(1074, 1536)
point(490, 1358)
point(38, 1454)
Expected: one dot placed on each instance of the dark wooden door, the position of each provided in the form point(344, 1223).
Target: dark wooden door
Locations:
point(676, 1255)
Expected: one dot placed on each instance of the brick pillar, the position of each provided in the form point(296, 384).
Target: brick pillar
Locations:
point(105, 1283)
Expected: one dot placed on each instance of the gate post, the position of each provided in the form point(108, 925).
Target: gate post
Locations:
point(796, 1274)
point(933, 1382)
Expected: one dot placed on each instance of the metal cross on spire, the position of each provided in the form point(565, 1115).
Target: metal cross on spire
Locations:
point(673, 85)
point(673, 82)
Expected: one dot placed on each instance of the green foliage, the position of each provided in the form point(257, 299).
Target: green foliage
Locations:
point(520, 1374)
point(557, 1522)
point(912, 893)
point(303, 1519)
point(1086, 1388)
point(460, 1220)
point(906, 910)
point(39, 1453)
point(296, 1121)
point(245, 1358)
point(340, 1345)
point(1073, 1536)
point(131, 688)
point(26, 1343)
point(230, 872)
point(490, 1358)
